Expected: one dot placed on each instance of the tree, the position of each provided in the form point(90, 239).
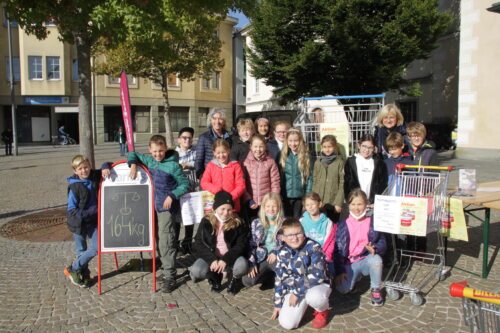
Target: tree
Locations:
point(74, 20)
point(329, 47)
point(162, 39)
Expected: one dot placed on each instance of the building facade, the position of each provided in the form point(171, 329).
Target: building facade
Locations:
point(46, 92)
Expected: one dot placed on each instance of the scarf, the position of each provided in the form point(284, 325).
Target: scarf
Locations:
point(327, 160)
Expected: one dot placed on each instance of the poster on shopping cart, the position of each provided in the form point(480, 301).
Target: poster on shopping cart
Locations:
point(195, 205)
point(453, 221)
point(341, 132)
point(400, 215)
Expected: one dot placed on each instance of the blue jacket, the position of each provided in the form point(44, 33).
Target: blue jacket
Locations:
point(381, 134)
point(204, 153)
point(168, 178)
point(258, 250)
point(342, 240)
point(298, 270)
point(82, 200)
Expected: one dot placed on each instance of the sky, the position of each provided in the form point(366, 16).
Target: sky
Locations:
point(242, 19)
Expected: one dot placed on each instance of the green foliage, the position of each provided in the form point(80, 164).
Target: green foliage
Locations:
point(311, 48)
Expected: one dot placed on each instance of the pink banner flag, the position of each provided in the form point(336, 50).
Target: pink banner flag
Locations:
point(126, 111)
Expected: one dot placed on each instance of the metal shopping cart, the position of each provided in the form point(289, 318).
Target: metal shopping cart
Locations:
point(411, 270)
point(481, 309)
point(346, 117)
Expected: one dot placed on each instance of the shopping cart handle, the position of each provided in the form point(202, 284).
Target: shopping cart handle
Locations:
point(401, 166)
point(461, 290)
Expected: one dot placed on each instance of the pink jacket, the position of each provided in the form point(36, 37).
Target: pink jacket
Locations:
point(261, 176)
point(329, 244)
point(228, 178)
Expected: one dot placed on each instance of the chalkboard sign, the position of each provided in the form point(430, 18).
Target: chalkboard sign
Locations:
point(126, 213)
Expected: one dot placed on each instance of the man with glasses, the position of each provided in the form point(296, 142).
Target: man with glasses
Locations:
point(187, 157)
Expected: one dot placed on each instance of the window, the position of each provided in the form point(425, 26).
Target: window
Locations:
point(212, 82)
point(53, 68)
point(409, 110)
point(35, 67)
point(13, 23)
point(74, 70)
point(16, 68)
point(179, 118)
point(115, 80)
point(173, 81)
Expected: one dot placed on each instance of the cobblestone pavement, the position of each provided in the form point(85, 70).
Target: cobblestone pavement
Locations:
point(36, 297)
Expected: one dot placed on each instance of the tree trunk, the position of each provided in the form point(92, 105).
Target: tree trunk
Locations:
point(166, 114)
point(84, 111)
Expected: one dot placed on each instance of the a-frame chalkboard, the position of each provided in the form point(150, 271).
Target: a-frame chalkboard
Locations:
point(126, 215)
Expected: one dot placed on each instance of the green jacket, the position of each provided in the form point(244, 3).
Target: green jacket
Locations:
point(329, 181)
point(291, 179)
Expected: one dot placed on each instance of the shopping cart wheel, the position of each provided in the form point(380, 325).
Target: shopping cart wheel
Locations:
point(416, 299)
point(392, 294)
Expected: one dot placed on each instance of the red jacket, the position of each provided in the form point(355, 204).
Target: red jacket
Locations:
point(228, 178)
point(261, 176)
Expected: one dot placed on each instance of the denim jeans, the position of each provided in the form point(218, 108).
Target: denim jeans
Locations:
point(85, 251)
point(369, 265)
point(264, 269)
point(122, 149)
point(199, 270)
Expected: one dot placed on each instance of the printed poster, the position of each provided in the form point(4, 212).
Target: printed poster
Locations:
point(453, 224)
point(340, 130)
point(195, 205)
point(400, 215)
point(467, 184)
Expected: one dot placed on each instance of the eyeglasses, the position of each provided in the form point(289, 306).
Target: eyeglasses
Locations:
point(185, 138)
point(414, 136)
point(280, 132)
point(291, 236)
point(367, 147)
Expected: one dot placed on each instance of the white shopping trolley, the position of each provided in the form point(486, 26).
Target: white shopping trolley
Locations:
point(346, 117)
point(411, 270)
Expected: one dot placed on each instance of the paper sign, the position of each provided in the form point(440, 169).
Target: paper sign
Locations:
point(400, 215)
point(453, 221)
point(341, 132)
point(195, 205)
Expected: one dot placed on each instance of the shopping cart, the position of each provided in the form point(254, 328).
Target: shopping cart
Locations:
point(346, 117)
point(481, 309)
point(411, 270)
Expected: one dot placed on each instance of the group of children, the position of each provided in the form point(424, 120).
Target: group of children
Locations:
point(277, 211)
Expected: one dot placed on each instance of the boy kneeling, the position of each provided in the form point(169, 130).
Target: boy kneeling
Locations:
point(301, 278)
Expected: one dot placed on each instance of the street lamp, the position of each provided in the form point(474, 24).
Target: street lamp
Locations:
point(12, 93)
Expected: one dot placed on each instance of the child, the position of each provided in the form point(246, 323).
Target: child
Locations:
point(328, 179)
point(241, 144)
point(358, 248)
point(296, 176)
point(264, 241)
point(187, 156)
point(365, 171)
point(222, 174)
point(319, 227)
point(220, 244)
point(275, 145)
point(389, 120)
point(395, 146)
point(261, 173)
point(264, 127)
point(421, 151)
point(170, 184)
point(301, 279)
point(82, 217)
point(122, 140)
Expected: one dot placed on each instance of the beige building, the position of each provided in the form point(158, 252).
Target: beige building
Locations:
point(479, 80)
point(46, 92)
